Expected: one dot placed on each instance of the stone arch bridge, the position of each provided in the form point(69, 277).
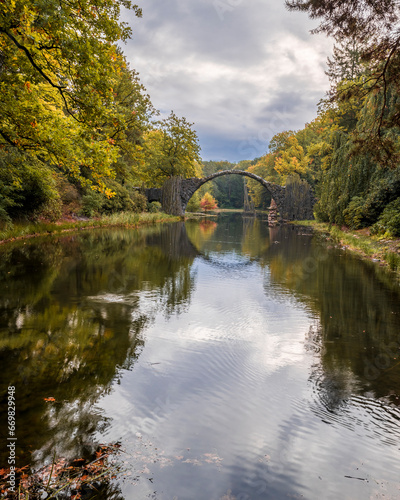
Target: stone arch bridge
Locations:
point(176, 193)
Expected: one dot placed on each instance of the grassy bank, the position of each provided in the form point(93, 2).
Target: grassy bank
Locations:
point(126, 219)
point(379, 249)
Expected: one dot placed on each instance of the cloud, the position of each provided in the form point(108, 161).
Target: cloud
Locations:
point(236, 69)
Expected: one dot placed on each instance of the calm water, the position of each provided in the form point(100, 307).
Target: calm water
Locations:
point(232, 362)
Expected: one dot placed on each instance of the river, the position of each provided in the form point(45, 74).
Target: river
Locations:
point(230, 361)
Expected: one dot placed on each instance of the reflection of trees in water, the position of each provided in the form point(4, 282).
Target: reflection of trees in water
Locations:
point(71, 317)
point(340, 396)
point(356, 342)
point(245, 235)
point(175, 253)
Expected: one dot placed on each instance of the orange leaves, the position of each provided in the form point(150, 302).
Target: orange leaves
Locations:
point(208, 202)
point(28, 86)
point(49, 399)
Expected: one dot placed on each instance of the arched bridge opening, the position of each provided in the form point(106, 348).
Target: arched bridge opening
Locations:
point(176, 193)
point(190, 186)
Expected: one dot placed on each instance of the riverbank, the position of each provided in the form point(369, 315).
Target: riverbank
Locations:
point(378, 249)
point(21, 231)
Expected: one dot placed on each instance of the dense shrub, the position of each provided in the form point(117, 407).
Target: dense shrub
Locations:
point(5, 219)
point(92, 203)
point(51, 210)
point(139, 201)
point(120, 202)
point(123, 200)
point(154, 207)
point(389, 221)
point(354, 214)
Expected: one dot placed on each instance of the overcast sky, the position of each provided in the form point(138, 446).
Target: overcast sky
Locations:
point(240, 71)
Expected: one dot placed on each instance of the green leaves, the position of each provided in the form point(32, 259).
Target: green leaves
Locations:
point(68, 101)
point(171, 149)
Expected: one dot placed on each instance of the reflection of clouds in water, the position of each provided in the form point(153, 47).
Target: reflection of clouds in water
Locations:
point(237, 311)
point(336, 402)
point(218, 372)
point(343, 399)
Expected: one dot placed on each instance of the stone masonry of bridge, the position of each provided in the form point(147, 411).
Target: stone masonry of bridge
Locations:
point(176, 192)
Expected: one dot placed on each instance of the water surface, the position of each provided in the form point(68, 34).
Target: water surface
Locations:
point(231, 361)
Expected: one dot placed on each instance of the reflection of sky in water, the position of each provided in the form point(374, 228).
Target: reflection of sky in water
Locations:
point(220, 400)
point(210, 380)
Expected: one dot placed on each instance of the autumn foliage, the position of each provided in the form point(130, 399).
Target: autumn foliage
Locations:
point(208, 202)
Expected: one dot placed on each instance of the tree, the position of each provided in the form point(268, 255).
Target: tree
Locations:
point(359, 19)
point(345, 63)
point(135, 112)
point(280, 141)
point(172, 149)
point(208, 202)
point(375, 26)
point(59, 65)
point(291, 160)
point(70, 46)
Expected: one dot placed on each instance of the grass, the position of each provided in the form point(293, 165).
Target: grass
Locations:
point(387, 251)
point(123, 219)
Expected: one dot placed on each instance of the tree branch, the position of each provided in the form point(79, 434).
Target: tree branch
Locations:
point(60, 88)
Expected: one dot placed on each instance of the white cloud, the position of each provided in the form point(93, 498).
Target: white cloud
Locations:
point(240, 77)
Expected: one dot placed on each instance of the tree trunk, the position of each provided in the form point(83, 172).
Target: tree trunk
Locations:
point(171, 196)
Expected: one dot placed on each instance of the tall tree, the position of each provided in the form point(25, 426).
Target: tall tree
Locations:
point(58, 68)
point(345, 63)
point(70, 45)
point(135, 112)
point(374, 24)
point(172, 149)
point(291, 160)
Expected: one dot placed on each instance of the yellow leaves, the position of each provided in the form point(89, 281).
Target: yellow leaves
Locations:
point(291, 160)
point(321, 150)
point(109, 193)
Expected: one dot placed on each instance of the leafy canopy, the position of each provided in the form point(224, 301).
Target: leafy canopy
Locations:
point(58, 68)
point(172, 149)
point(372, 28)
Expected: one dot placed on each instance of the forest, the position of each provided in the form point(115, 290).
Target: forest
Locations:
point(79, 135)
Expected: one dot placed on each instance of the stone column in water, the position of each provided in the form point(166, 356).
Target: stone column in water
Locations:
point(171, 196)
point(273, 214)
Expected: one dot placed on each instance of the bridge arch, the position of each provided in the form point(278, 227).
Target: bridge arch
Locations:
point(190, 186)
point(176, 193)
